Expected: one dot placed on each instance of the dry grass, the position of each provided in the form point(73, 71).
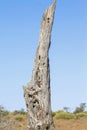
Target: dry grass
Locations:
point(19, 122)
point(72, 124)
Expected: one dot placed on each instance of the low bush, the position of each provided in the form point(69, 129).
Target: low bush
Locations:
point(53, 114)
point(64, 115)
point(19, 112)
point(3, 112)
point(19, 118)
point(82, 114)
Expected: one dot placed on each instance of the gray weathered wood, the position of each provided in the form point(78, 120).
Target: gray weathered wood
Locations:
point(37, 91)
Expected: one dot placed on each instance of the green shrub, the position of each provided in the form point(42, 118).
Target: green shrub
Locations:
point(60, 111)
point(19, 112)
point(82, 114)
point(3, 112)
point(64, 115)
point(19, 118)
point(53, 114)
point(16, 112)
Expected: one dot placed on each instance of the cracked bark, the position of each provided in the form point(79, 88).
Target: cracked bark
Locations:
point(37, 91)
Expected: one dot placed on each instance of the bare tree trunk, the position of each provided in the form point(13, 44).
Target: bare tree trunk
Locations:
point(37, 91)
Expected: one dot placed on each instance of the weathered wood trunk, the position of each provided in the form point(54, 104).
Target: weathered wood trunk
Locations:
point(37, 91)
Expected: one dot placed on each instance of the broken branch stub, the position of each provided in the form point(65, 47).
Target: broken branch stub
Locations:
point(37, 91)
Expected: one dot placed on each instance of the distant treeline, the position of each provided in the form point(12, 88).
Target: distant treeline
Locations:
point(60, 114)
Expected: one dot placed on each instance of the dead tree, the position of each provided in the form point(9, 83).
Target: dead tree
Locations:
point(37, 91)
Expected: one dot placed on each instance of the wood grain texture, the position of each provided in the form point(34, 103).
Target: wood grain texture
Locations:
point(37, 91)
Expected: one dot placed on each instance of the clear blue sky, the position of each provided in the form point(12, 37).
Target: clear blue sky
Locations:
point(19, 33)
